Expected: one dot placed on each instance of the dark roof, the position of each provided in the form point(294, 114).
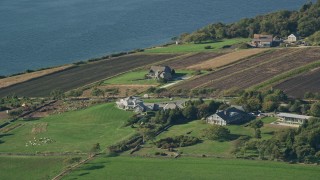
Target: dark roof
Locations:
point(231, 114)
point(160, 69)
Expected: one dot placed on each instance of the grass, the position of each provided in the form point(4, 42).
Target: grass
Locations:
point(74, 131)
point(191, 168)
point(138, 78)
point(191, 47)
point(208, 147)
point(33, 168)
point(134, 77)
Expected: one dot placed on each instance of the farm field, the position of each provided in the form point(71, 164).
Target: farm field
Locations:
point(244, 64)
point(255, 70)
point(185, 62)
point(30, 168)
point(191, 168)
point(263, 72)
point(191, 47)
point(25, 77)
point(74, 131)
point(82, 75)
point(225, 59)
point(297, 86)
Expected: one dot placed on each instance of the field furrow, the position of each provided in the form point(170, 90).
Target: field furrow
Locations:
point(263, 72)
point(297, 86)
point(235, 68)
point(81, 75)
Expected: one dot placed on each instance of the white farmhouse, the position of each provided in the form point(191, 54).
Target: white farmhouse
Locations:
point(292, 38)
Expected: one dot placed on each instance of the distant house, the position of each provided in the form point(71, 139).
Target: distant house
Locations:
point(292, 38)
point(160, 72)
point(132, 104)
point(289, 118)
point(260, 40)
point(231, 115)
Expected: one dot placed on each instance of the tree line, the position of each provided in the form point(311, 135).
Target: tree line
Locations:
point(303, 22)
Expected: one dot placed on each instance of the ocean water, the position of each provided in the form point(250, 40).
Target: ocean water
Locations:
point(42, 33)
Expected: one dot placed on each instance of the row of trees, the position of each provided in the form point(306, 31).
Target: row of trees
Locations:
point(302, 145)
point(304, 22)
point(276, 100)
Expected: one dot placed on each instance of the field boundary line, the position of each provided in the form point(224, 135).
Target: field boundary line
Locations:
point(249, 68)
point(225, 66)
point(287, 75)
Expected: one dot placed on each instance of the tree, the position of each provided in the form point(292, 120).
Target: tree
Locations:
point(315, 109)
point(257, 133)
point(269, 106)
point(256, 124)
point(190, 112)
point(57, 94)
point(97, 92)
point(216, 132)
point(95, 148)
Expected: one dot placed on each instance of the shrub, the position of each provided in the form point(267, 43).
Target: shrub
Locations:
point(177, 141)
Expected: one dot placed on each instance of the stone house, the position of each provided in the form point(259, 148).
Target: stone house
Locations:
point(231, 115)
point(160, 72)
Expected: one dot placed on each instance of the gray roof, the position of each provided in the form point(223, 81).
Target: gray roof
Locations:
point(160, 69)
point(296, 116)
point(231, 114)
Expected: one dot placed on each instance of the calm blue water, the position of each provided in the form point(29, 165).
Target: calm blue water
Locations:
point(42, 33)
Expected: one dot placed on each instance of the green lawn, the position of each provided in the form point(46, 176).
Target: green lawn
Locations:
point(191, 47)
point(207, 147)
point(33, 168)
point(138, 77)
point(191, 168)
point(74, 131)
point(134, 77)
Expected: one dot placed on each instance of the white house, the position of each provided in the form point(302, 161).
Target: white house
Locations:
point(292, 38)
point(289, 118)
point(131, 103)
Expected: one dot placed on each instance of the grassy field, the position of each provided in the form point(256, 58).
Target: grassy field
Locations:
point(74, 131)
point(191, 168)
point(134, 77)
point(191, 47)
point(208, 147)
point(138, 78)
point(33, 168)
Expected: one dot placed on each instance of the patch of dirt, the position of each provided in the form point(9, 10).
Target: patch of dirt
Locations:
point(226, 59)
point(39, 128)
point(28, 76)
point(299, 85)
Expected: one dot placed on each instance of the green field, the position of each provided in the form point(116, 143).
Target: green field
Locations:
point(138, 77)
point(191, 168)
point(134, 77)
point(191, 47)
point(74, 131)
point(33, 168)
point(207, 147)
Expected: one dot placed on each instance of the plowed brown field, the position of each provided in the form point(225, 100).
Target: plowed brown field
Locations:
point(81, 75)
point(298, 86)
